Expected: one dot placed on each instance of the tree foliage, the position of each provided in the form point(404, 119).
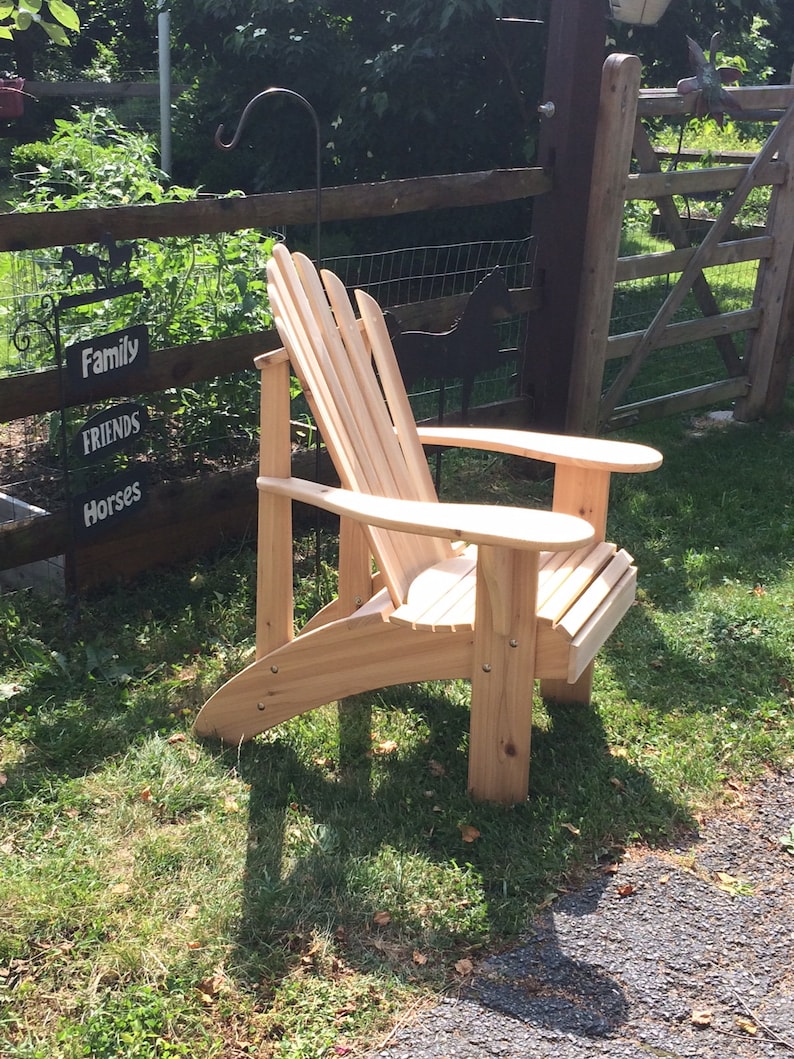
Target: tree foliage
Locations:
point(663, 48)
point(53, 16)
point(424, 88)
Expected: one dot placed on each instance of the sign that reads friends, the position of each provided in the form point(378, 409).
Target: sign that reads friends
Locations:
point(110, 431)
point(107, 504)
point(116, 355)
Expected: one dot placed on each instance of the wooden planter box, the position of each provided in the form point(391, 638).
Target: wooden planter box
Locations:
point(46, 575)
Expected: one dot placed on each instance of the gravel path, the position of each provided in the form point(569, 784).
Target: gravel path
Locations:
point(619, 967)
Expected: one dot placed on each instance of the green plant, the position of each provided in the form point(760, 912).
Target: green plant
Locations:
point(194, 289)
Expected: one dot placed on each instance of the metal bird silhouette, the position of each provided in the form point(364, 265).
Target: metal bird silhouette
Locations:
point(708, 80)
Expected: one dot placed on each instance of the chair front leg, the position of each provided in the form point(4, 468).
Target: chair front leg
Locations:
point(503, 675)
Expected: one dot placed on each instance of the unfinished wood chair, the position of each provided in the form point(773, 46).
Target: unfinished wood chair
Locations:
point(499, 595)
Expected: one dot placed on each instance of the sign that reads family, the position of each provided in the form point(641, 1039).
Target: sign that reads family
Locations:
point(116, 355)
point(107, 504)
point(110, 431)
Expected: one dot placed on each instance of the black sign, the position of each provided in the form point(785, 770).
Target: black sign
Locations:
point(121, 353)
point(107, 504)
point(110, 431)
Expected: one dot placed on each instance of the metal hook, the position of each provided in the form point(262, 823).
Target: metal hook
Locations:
point(250, 106)
point(275, 90)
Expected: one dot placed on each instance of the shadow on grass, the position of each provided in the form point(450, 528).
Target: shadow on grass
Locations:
point(333, 843)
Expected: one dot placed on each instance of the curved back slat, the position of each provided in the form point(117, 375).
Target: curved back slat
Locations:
point(364, 418)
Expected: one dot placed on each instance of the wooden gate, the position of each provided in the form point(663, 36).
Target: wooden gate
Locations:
point(605, 364)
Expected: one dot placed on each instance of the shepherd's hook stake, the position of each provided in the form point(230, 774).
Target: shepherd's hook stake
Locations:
point(274, 91)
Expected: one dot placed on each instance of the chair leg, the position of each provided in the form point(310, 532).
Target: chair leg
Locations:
point(503, 675)
point(578, 693)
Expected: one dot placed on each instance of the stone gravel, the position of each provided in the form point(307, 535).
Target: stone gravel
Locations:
point(703, 931)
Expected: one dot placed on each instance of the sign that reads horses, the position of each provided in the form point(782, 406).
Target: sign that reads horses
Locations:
point(118, 354)
point(110, 431)
point(107, 504)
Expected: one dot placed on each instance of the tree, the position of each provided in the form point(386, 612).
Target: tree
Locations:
point(426, 88)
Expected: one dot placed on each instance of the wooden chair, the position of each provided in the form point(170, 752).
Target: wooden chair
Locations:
point(499, 595)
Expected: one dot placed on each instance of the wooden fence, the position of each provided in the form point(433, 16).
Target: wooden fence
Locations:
point(754, 379)
point(185, 518)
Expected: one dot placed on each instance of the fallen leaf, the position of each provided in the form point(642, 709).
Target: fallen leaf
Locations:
point(572, 828)
point(731, 885)
point(610, 869)
point(436, 768)
point(787, 840)
point(210, 987)
point(7, 847)
point(120, 888)
point(469, 833)
point(388, 746)
point(618, 751)
point(194, 944)
point(342, 1049)
point(746, 1025)
point(191, 912)
point(626, 890)
point(3, 779)
point(419, 958)
point(231, 805)
point(759, 590)
point(619, 785)
point(146, 794)
point(701, 1017)
point(664, 879)
point(382, 919)
point(178, 737)
point(464, 966)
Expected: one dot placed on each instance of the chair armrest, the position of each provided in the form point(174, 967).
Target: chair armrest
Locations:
point(563, 449)
point(488, 524)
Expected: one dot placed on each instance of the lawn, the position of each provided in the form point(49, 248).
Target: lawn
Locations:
point(296, 896)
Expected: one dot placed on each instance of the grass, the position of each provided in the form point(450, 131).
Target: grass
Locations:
point(295, 896)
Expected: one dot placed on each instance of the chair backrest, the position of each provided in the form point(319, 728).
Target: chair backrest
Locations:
point(364, 417)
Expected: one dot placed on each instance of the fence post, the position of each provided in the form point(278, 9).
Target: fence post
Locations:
point(574, 57)
point(769, 348)
point(620, 87)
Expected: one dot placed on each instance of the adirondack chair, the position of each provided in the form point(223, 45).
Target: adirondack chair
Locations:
point(496, 594)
